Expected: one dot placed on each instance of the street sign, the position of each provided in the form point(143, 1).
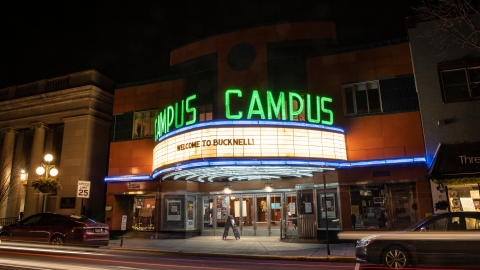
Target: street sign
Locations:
point(124, 223)
point(83, 189)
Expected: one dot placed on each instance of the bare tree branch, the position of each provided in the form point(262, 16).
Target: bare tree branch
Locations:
point(455, 23)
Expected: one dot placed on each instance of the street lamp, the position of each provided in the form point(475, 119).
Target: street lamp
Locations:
point(44, 170)
point(23, 175)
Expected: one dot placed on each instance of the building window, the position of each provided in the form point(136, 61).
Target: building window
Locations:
point(362, 98)
point(143, 125)
point(122, 127)
point(205, 113)
point(460, 84)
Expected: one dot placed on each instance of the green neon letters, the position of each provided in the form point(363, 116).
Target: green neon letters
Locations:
point(170, 116)
point(279, 106)
point(315, 107)
point(228, 113)
point(255, 102)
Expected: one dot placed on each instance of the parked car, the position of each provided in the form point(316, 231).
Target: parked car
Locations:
point(57, 229)
point(447, 238)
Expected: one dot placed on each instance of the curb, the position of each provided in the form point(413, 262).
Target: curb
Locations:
point(337, 259)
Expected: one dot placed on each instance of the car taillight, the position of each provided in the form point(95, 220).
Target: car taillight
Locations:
point(82, 229)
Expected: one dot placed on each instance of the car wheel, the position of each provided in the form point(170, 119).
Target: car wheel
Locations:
point(395, 257)
point(57, 240)
point(4, 237)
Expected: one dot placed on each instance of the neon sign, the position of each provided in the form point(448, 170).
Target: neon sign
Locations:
point(169, 116)
point(277, 108)
point(286, 106)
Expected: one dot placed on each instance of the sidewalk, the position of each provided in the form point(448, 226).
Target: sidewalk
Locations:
point(251, 247)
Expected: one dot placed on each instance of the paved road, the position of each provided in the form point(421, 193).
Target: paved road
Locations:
point(21, 256)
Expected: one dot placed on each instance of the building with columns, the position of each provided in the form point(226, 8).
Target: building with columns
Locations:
point(68, 117)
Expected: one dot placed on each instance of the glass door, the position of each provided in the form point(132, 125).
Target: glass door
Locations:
point(262, 214)
point(291, 215)
point(275, 213)
point(235, 210)
point(248, 214)
point(207, 215)
point(221, 211)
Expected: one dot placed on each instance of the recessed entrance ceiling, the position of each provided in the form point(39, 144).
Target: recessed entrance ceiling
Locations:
point(238, 173)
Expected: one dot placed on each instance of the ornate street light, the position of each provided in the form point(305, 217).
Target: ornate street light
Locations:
point(45, 170)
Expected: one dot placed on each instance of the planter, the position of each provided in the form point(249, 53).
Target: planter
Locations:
point(49, 185)
point(45, 189)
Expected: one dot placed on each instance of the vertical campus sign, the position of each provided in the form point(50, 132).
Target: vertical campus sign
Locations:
point(284, 106)
point(170, 117)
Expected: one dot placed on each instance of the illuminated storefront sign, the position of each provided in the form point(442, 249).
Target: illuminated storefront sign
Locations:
point(315, 142)
point(286, 106)
point(277, 108)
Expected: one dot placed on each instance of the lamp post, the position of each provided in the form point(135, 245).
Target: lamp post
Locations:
point(44, 170)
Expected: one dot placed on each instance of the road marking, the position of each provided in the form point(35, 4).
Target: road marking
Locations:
point(357, 266)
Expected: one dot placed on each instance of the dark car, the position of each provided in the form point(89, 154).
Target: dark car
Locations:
point(57, 229)
point(447, 238)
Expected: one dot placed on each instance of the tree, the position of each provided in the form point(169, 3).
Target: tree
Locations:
point(455, 23)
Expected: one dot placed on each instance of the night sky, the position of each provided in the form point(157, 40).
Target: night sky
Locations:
point(131, 40)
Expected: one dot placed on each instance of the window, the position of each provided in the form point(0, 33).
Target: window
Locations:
point(121, 128)
point(439, 225)
point(31, 220)
point(362, 98)
point(205, 113)
point(143, 125)
point(460, 84)
point(472, 223)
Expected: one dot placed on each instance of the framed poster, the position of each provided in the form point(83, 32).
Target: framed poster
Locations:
point(174, 210)
point(308, 207)
point(190, 210)
point(328, 205)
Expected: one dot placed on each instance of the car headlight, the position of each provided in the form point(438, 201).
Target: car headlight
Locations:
point(365, 242)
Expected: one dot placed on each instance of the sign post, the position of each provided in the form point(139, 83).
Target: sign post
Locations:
point(326, 210)
point(83, 191)
point(123, 227)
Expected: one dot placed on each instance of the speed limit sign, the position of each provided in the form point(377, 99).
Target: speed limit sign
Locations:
point(83, 190)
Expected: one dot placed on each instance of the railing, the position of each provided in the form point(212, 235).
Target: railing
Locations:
point(8, 221)
point(88, 77)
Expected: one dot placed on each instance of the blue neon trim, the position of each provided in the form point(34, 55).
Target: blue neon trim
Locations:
point(127, 178)
point(259, 123)
point(236, 162)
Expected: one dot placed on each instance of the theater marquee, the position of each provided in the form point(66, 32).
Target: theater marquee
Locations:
point(279, 140)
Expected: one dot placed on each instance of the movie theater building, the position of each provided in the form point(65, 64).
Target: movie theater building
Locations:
point(276, 127)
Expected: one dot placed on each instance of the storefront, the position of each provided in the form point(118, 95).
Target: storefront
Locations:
point(455, 174)
point(384, 207)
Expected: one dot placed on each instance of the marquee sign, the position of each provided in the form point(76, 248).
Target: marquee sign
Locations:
point(281, 106)
point(247, 141)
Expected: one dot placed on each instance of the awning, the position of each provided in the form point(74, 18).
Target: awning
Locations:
point(456, 161)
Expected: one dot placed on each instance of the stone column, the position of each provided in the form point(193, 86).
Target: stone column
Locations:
point(6, 165)
point(36, 158)
point(15, 206)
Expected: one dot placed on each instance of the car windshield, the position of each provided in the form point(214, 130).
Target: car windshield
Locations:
point(83, 219)
point(418, 224)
